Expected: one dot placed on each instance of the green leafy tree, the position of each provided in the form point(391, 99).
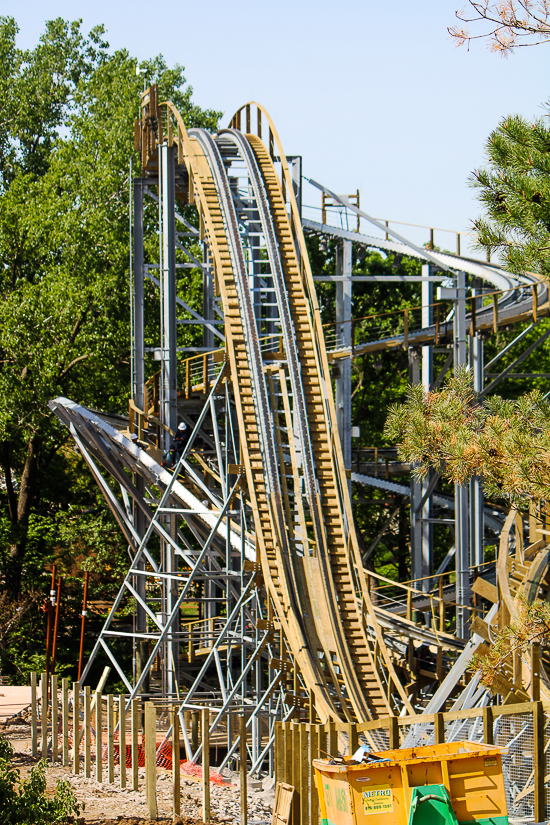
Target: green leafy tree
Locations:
point(514, 188)
point(504, 441)
point(67, 109)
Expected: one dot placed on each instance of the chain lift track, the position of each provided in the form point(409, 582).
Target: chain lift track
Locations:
point(259, 517)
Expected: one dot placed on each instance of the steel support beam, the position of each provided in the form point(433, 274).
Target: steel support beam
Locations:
point(462, 529)
point(167, 217)
point(343, 326)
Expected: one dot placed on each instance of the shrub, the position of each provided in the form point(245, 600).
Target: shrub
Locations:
point(26, 803)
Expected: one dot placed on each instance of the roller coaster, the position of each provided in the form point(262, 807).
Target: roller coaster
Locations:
point(255, 521)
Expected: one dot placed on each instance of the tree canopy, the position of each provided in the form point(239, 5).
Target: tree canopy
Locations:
point(67, 109)
point(506, 442)
point(514, 188)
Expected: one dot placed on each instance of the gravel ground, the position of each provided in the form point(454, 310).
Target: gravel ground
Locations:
point(106, 803)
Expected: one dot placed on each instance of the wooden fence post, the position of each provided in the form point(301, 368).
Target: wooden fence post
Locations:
point(539, 760)
point(65, 721)
point(332, 744)
point(87, 733)
point(242, 769)
point(296, 766)
point(122, 739)
point(55, 718)
point(205, 765)
point(135, 743)
point(44, 714)
point(34, 717)
point(439, 729)
point(98, 736)
point(176, 793)
point(151, 758)
point(194, 731)
point(488, 734)
point(279, 752)
point(314, 731)
point(353, 738)
point(287, 769)
point(535, 671)
point(110, 740)
point(304, 772)
point(393, 733)
point(76, 728)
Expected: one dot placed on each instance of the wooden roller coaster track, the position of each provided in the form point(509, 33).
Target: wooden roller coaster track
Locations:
point(303, 521)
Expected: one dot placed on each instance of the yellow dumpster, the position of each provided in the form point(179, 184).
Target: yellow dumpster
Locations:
point(458, 783)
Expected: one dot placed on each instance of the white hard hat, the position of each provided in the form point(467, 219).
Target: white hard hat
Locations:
point(182, 426)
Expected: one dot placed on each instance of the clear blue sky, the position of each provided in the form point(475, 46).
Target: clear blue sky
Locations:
point(373, 95)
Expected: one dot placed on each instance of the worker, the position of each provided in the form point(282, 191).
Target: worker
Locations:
point(175, 451)
point(181, 438)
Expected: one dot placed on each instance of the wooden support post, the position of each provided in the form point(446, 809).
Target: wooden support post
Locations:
point(65, 722)
point(110, 740)
point(151, 759)
point(495, 313)
point(243, 760)
point(437, 324)
point(304, 773)
point(488, 730)
point(134, 711)
point(87, 733)
point(176, 791)
point(205, 765)
point(406, 328)
point(535, 302)
point(393, 725)
point(98, 736)
point(122, 738)
point(535, 673)
point(76, 728)
point(34, 716)
point(439, 729)
point(539, 761)
point(55, 718)
point(44, 715)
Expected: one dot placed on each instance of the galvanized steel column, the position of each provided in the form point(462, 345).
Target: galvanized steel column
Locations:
point(343, 329)
point(462, 537)
point(168, 289)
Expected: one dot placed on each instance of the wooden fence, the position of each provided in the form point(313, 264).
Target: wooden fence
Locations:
point(106, 738)
point(115, 738)
point(522, 728)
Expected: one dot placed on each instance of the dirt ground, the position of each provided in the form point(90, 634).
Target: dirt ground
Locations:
point(106, 804)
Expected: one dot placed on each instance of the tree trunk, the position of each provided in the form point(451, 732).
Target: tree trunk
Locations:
point(20, 515)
